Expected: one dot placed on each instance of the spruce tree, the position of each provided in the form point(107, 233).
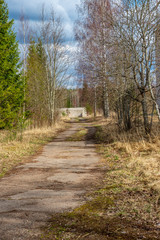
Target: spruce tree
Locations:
point(11, 87)
point(36, 84)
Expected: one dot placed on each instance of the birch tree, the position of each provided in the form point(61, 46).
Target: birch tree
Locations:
point(135, 28)
point(24, 34)
point(57, 65)
point(92, 32)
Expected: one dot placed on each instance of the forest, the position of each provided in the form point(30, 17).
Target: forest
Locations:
point(35, 73)
point(116, 65)
point(119, 59)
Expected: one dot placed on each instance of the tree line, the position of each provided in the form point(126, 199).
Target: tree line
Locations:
point(32, 87)
point(118, 58)
point(117, 63)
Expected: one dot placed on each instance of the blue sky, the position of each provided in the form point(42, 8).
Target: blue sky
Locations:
point(32, 9)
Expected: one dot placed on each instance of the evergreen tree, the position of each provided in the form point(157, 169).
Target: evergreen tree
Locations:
point(36, 84)
point(11, 87)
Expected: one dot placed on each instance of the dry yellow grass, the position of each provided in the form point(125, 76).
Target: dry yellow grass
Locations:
point(142, 152)
point(14, 151)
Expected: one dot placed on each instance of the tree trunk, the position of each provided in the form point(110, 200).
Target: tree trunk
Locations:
point(157, 53)
point(145, 114)
point(105, 101)
point(126, 113)
point(95, 102)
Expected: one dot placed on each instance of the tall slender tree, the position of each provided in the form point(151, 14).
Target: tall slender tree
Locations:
point(11, 94)
point(58, 62)
point(92, 31)
point(36, 92)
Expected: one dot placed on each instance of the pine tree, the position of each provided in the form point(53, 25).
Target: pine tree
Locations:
point(11, 87)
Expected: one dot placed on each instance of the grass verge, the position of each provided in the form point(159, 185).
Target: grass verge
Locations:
point(13, 151)
point(126, 205)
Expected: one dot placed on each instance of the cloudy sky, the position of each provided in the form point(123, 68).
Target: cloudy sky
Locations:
point(32, 9)
point(66, 9)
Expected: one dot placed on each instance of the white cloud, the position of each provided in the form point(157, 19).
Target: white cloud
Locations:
point(66, 9)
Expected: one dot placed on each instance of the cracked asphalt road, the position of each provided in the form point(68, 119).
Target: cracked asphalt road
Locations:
point(54, 181)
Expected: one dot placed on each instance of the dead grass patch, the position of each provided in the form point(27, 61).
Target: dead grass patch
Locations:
point(13, 151)
point(142, 151)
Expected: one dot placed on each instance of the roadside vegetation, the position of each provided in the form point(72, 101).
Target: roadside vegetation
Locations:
point(125, 204)
point(16, 149)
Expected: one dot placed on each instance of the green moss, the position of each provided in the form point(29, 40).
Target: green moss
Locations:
point(78, 136)
point(97, 204)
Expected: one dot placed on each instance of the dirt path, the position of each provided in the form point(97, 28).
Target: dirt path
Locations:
point(54, 181)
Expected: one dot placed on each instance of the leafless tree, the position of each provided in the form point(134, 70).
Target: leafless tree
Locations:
point(135, 28)
point(92, 32)
point(57, 65)
point(117, 42)
point(24, 34)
